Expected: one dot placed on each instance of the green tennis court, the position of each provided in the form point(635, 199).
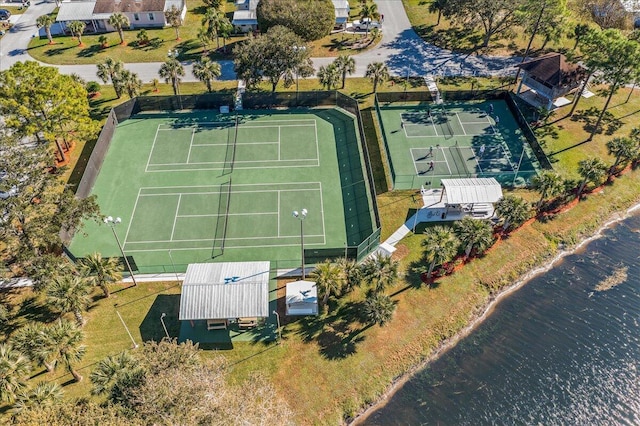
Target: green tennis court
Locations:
point(202, 186)
point(466, 139)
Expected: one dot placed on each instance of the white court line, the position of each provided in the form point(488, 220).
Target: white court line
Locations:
point(476, 158)
point(235, 167)
point(324, 233)
point(315, 128)
point(248, 126)
point(175, 217)
point(230, 214)
point(279, 142)
point(446, 161)
point(226, 247)
point(193, 133)
point(461, 125)
point(199, 124)
point(133, 215)
point(228, 239)
point(153, 145)
point(235, 186)
point(278, 217)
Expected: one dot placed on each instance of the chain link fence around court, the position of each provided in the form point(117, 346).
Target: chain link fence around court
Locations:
point(362, 198)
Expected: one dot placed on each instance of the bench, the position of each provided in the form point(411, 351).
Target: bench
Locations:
point(216, 324)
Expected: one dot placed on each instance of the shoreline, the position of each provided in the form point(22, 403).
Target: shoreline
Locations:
point(491, 303)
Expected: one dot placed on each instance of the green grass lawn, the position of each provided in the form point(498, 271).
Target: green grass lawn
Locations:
point(458, 38)
point(66, 50)
point(357, 362)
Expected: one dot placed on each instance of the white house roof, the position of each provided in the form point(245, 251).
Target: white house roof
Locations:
point(179, 4)
point(470, 191)
point(247, 17)
point(225, 290)
point(302, 298)
point(631, 5)
point(341, 8)
point(75, 11)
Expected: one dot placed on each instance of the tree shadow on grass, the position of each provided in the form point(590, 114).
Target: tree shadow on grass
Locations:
point(338, 333)
point(91, 51)
point(55, 51)
point(608, 126)
point(32, 309)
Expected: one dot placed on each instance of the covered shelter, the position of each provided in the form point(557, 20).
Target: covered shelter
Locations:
point(547, 79)
point(302, 298)
point(223, 293)
point(468, 197)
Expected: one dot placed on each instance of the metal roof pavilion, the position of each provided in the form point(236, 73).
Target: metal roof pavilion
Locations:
point(225, 290)
point(471, 191)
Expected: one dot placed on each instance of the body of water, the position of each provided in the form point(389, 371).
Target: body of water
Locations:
point(555, 352)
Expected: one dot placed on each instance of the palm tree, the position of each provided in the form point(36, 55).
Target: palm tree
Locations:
point(352, 274)
point(33, 341)
point(369, 11)
point(206, 71)
point(440, 244)
point(111, 70)
point(378, 308)
point(380, 271)
point(328, 279)
point(591, 170)
point(14, 371)
point(513, 211)
point(624, 149)
point(66, 345)
point(329, 76)
point(70, 293)
point(108, 370)
point(131, 83)
point(548, 184)
point(102, 270)
point(474, 233)
point(46, 21)
point(226, 28)
point(213, 19)
point(119, 22)
point(44, 394)
point(203, 38)
point(174, 18)
point(377, 72)
point(345, 64)
point(172, 70)
point(437, 6)
point(77, 28)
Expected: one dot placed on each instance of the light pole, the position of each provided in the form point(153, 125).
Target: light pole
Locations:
point(109, 220)
point(279, 331)
point(301, 215)
point(163, 325)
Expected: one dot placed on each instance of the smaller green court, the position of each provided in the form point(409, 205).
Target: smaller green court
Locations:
point(426, 143)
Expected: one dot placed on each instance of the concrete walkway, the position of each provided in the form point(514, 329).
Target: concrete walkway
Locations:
point(404, 52)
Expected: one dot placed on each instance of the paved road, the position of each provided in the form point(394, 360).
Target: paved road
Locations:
point(401, 49)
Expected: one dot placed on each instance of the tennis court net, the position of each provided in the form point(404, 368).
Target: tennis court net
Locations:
point(232, 141)
point(462, 166)
point(221, 220)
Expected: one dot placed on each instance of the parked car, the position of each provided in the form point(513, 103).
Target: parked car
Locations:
point(363, 24)
point(4, 14)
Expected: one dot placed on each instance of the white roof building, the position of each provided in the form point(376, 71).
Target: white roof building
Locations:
point(225, 291)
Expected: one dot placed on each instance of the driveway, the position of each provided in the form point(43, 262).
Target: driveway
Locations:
point(401, 49)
